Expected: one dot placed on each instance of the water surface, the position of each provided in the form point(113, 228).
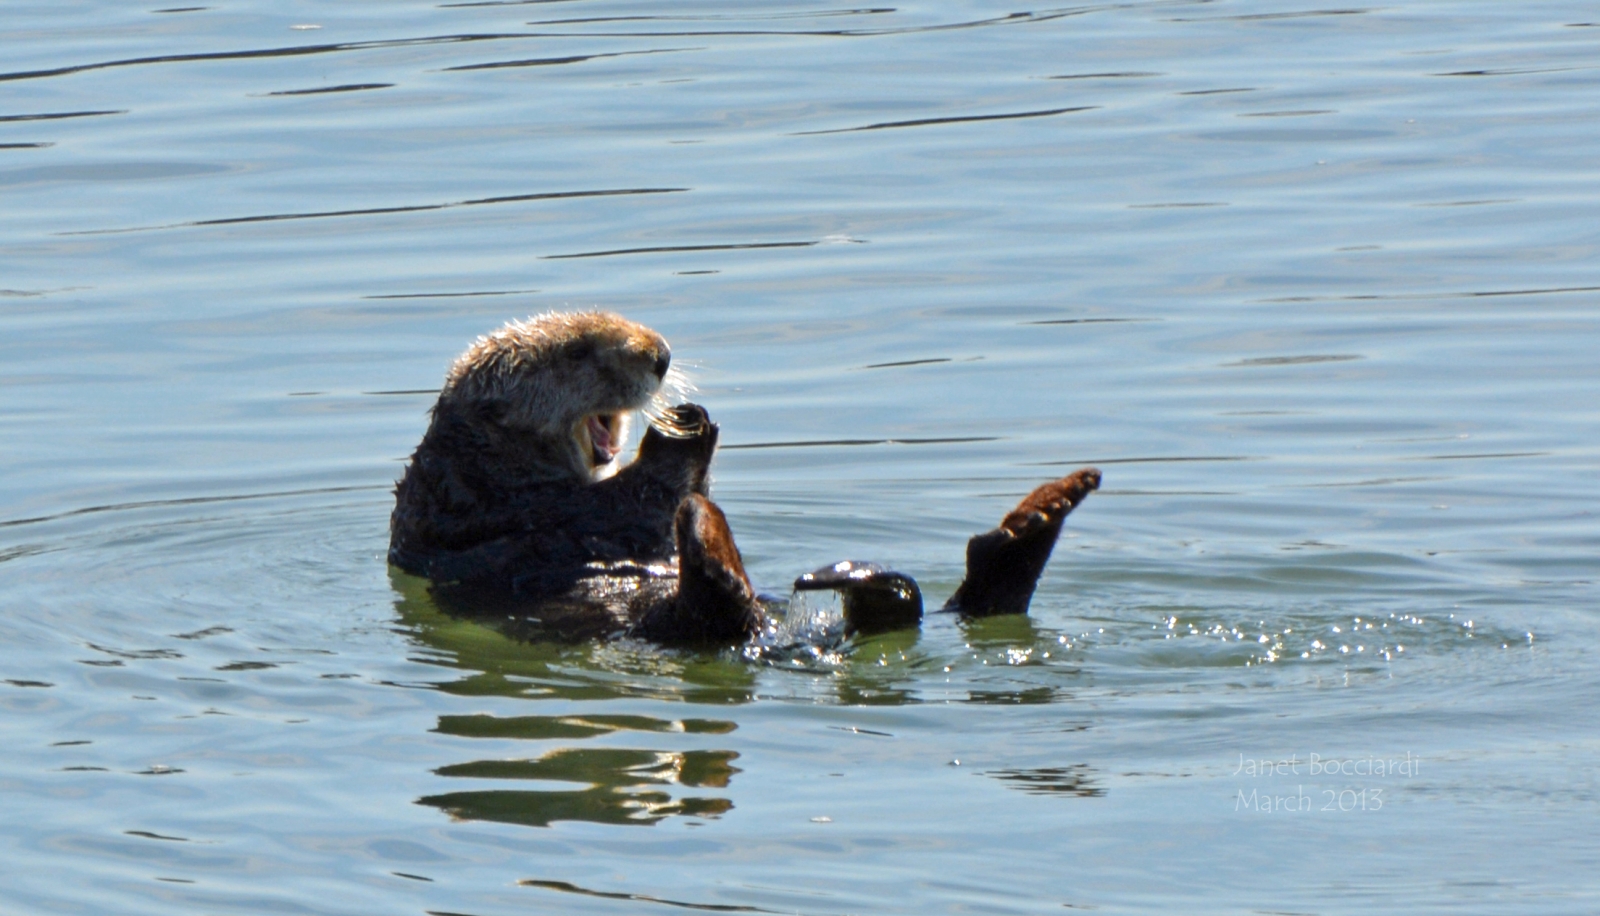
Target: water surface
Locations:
point(1315, 287)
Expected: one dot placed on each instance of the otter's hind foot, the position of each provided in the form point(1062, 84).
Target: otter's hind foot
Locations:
point(715, 605)
point(876, 600)
point(1003, 565)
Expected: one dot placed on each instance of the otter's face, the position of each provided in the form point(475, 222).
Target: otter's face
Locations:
point(563, 386)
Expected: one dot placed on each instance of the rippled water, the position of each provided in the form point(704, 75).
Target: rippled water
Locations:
point(1316, 288)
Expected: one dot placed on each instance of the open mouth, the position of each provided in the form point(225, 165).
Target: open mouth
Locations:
point(600, 437)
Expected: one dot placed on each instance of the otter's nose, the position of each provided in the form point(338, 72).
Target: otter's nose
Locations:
point(663, 362)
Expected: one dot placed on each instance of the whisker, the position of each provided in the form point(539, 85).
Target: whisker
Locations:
point(675, 389)
point(678, 383)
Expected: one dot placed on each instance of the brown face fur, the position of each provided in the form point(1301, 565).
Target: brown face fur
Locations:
point(568, 381)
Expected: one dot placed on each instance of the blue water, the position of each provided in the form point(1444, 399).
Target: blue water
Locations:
point(1317, 289)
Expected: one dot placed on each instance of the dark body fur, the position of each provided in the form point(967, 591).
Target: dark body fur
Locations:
point(506, 506)
point(594, 557)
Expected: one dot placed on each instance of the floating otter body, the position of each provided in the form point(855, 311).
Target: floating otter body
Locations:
point(515, 503)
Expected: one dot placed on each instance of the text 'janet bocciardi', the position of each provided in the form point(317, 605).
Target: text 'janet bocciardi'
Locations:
point(1358, 783)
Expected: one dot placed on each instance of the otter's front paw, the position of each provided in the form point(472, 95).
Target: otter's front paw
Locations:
point(685, 421)
point(684, 437)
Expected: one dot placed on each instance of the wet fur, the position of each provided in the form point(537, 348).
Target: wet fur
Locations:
point(506, 508)
point(504, 512)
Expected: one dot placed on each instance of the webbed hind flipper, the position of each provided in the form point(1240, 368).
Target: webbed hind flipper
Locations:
point(875, 599)
point(715, 605)
point(1003, 565)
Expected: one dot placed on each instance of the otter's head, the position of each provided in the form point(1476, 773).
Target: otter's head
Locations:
point(559, 389)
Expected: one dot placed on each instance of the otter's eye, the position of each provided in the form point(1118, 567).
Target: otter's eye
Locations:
point(580, 350)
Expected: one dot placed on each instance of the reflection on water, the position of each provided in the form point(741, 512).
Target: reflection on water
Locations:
point(502, 665)
point(507, 666)
point(600, 806)
point(570, 888)
point(609, 767)
point(1030, 695)
point(1076, 780)
point(539, 728)
point(614, 797)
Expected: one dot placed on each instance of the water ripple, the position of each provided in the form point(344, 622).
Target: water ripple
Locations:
point(959, 119)
point(371, 211)
point(659, 249)
point(59, 115)
point(569, 888)
point(321, 90)
point(555, 61)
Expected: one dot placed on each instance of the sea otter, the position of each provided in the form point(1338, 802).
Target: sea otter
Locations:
point(515, 503)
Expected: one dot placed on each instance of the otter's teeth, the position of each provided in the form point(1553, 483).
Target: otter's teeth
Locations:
point(602, 443)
